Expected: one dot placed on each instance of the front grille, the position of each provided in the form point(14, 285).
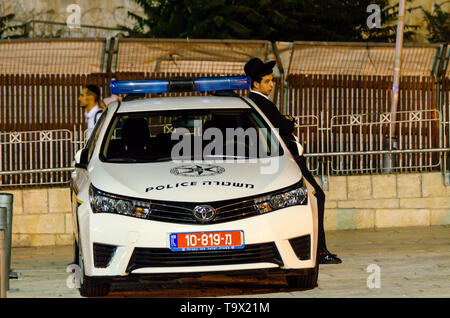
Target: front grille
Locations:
point(103, 254)
point(225, 211)
point(302, 247)
point(170, 213)
point(236, 211)
point(164, 257)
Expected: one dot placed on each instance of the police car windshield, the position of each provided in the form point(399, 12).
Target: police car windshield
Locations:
point(188, 135)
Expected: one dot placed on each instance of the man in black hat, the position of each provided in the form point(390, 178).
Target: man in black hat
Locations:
point(261, 79)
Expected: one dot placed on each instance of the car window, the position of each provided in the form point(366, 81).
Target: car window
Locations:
point(95, 134)
point(188, 134)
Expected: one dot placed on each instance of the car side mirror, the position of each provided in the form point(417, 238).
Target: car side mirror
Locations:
point(81, 158)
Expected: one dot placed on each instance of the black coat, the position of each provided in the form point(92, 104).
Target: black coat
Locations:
point(285, 126)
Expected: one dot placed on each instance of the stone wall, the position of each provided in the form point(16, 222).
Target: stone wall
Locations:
point(43, 216)
point(386, 200)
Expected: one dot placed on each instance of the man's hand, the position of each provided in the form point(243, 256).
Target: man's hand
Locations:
point(292, 120)
point(108, 100)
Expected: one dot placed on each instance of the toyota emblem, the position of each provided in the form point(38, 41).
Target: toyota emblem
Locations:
point(204, 213)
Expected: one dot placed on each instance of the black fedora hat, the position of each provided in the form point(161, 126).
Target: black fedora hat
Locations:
point(255, 67)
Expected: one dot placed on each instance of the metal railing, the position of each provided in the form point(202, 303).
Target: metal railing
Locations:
point(36, 157)
point(355, 133)
point(354, 144)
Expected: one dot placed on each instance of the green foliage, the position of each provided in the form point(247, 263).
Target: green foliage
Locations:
point(438, 23)
point(3, 22)
point(7, 30)
point(281, 20)
point(388, 30)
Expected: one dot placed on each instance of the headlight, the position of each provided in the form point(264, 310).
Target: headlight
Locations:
point(281, 200)
point(102, 202)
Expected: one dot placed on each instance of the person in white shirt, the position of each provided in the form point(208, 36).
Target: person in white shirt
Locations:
point(93, 105)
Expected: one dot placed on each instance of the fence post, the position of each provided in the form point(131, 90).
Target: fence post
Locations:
point(3, 276)
point(282, 76)
point(109, 61)
point(438, 71)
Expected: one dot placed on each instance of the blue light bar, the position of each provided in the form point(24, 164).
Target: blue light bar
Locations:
point(221, 83)
point(180, 85)
point(135, 87)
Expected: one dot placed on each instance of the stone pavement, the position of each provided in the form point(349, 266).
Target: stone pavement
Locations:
point(412, 262)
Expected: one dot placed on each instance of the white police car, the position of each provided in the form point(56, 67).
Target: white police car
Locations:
point(187, 186)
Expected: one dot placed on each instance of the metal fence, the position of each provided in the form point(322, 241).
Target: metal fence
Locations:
point(50, 56)
point(361, 139)
point(37, 157)
point(345, 123)
point(88, 55)
point(49, 102)
point(91, 55)
point(181, 56)
point(360, 58)
point(340, 94)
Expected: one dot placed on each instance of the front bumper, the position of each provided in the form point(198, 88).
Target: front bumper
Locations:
point(127, 235)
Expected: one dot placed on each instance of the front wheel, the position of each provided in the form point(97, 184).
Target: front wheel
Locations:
point(89, 286)
point(307, 281)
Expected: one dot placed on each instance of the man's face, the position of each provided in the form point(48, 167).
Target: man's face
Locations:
point(265, 86)
point(85, 98)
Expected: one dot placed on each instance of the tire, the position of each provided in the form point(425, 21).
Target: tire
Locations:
point(89, 286)
point(75, 251)
point(307, 281)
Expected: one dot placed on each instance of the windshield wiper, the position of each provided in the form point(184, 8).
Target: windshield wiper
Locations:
point(165, 158)
point(228, 156)
point(121, 160)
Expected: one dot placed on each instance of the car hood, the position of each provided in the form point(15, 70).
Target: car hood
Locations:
point(195, 182)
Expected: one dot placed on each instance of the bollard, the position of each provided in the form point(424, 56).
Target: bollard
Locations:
point(3, 276)
point(6, 201)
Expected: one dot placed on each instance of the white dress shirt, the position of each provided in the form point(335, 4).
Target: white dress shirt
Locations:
point(92, 117)
point(111, 99)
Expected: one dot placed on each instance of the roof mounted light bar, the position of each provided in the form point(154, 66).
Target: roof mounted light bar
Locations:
point(205, 84)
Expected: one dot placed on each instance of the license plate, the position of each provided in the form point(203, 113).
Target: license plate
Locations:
point(204, 241)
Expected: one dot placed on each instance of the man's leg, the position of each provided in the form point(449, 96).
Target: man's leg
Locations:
point(320, 212)
point(325, 257)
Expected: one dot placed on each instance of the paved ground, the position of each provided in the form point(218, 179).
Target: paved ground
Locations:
point(413, 262)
